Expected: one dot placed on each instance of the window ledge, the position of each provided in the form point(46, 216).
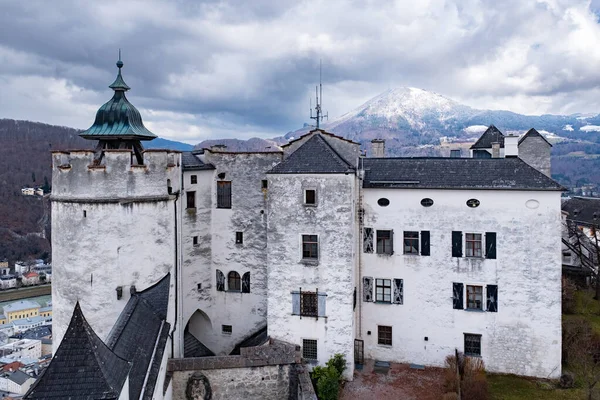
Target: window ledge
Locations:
point(309, 205)
point(233, 291)
point(382, 302)
point(475, 310)
point(224, 208)
point(473, 355)
point(309, 261)
point(387, 346)
point(411, 254)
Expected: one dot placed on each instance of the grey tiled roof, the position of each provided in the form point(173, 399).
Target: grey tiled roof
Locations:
point(534, 133)
point(315, 156)
point(582, 210)
point(83, 367)
point(19, 377)
point(509, 173)
point(191, 162)
point(139, 327)
point(491, 135)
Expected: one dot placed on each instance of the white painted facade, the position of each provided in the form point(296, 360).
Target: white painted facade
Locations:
point(524, 336)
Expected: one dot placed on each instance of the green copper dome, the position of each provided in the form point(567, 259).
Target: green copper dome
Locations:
point(118, 118)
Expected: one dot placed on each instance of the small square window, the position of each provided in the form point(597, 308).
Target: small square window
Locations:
point(310, 197)
point(195, 240)
point(226, 329)
point(384, 335)
point(239, 238)
point(194, 179)
point(310, 247)
point(309, 349)
point(472, 344)
point(264, 184)
point(411, 242)
point(383, 290)
point(474, 297)
point(473, 244)
point(199, 286)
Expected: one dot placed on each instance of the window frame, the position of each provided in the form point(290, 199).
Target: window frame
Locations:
point(416, 238)
point(305, 197)
point(311, 243)
point(226, 329)
point(383, 341)
point(305, 348)
point(193, 179)
point(311, 302)
point(195, 241)
point(238, 280)
point(389, 239)
point(191, 194)
point(221, 203)
point(481, 245)
point(383, 286)
point(465, 346)
point(239, 237)
point(474, 294)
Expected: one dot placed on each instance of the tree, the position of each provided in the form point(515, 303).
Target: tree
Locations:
point(584, 241)
point(582, 353)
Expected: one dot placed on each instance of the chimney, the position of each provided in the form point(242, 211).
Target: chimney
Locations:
point(218, 147)
point(378, 148)
point(496, 150)
point(511, 148)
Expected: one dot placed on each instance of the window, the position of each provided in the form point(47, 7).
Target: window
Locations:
point(473, 244)
point(473, 203)
point(427, 202)
point(411, 242)
point(226, 329)
point(472, 344)
point(195, 240)
point(191, 199)
point(384, 335)
point(234, 283)
point(264, 184)
point(309, 306)
point(384, 242)
point(474, 297)
point(193, 179)
point(383, 290)
point(239, 238)
point(383, 202)
point(310, 247)
point(310, 197)
point(224, 194)
point(309, 349)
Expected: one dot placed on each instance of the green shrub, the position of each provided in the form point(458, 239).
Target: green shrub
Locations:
point(328, 378)
point(338, 361)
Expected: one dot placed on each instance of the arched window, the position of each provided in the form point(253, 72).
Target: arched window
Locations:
point(234, 282)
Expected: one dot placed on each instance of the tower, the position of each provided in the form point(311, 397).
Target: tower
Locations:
point(114, 218)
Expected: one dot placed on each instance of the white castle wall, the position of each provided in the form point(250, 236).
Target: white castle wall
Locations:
point(524, 336)
point(112, 225)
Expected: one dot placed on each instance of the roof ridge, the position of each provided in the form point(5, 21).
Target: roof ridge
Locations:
point(533, 132)
point(335, 153)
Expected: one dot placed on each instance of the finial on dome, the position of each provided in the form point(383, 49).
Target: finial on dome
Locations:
point(119, 84)
point(120, 63)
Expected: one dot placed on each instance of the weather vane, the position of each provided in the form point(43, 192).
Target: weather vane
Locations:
point(319, 94)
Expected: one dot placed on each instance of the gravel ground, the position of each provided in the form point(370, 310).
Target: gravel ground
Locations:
point(400, 383)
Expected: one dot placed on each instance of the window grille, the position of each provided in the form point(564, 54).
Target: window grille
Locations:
point(309, 306)
point(309, 349)
point(473, 245)
point(384, 335)
point(310, 247)
point(224, 194)
point(472, 344)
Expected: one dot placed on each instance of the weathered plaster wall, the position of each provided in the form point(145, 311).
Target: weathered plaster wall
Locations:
point(333, 220)
point(524, 336)
point(535, 151)
point(112, 226)
point(216, 229)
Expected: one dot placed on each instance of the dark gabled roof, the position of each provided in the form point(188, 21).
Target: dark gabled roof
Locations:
point(455, 173)
point(139, 336)
point(321, 131)
point(534, 133)
point(83, 367)
point(191, 161)
point(582, 210)
point(19, 377)
point(491, 135)
point(315, 156)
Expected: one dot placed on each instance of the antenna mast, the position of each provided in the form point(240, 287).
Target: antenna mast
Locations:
point(319, 95)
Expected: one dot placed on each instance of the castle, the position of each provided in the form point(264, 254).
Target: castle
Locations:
point(162, 257)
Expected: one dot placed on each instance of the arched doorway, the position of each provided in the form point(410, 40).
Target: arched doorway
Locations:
point(197, 329)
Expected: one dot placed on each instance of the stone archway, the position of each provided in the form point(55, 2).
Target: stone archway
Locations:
point(197, 330)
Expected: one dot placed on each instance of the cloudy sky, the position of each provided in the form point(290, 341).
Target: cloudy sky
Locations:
point(242, 68)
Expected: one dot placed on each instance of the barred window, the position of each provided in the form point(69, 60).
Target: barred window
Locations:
point(224, 194)
point(310, 247)
point(472, 344)
point(383, 290)
point(473, 245)
point(309, 349)
point(234, 282)
point(309, 306)
point(474, 297)
point(384, 335)
point(411, 242)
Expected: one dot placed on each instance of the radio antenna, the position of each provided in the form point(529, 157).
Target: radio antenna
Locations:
point(319, 95)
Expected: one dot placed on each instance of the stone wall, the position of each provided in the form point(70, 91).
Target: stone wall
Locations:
point(262, 372)
point(535, 151)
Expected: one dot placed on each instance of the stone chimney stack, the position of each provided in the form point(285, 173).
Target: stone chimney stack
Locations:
point(218, 148)
point(496, 150)
point(534, 149)
point(511, 146)
point(378, 148)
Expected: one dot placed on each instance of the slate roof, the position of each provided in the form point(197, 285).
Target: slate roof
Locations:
point(534, 133)
point(19, 377)
point(582, 210)
point(83, 367)
point(315, 156)
point(139, 328)
point(455, 173)
point(35, 333)
point(191, 161)
point(491, 135)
